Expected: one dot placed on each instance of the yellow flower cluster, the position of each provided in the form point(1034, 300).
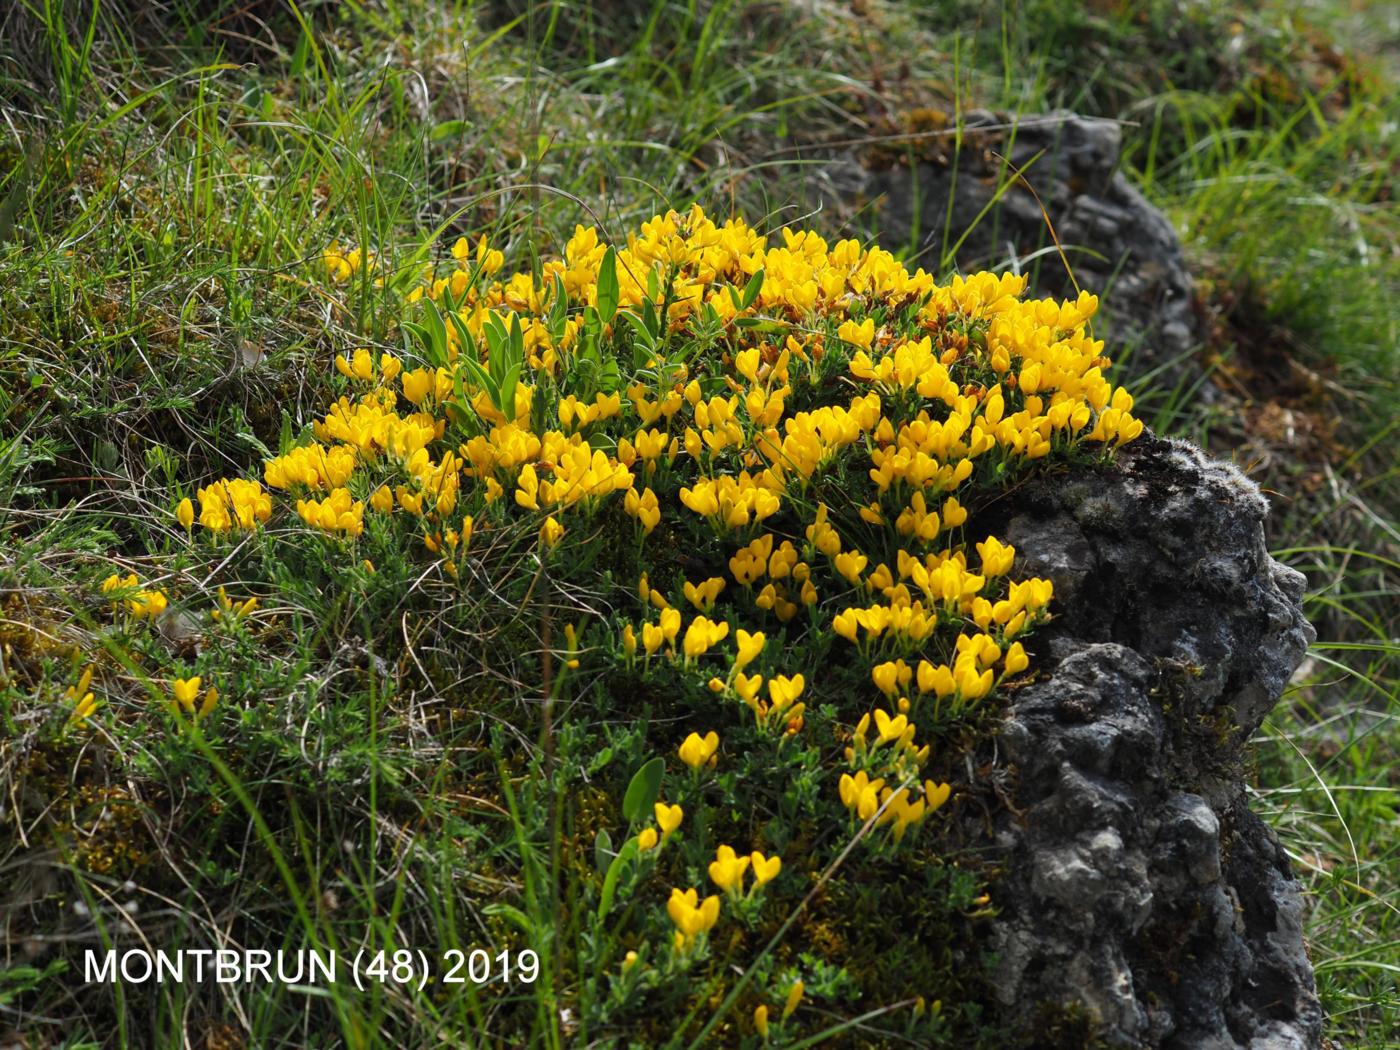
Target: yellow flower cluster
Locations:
point(691, 915)
point(811, 416)
point(728, 868)
point(342, 264)
point(865, 797)
point(233, 503)
point(140, 602)
point(312, 466)
point(185, 691)
point(338, 512)
point(80, 695)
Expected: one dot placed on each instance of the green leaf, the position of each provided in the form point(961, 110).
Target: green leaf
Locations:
point(507, 388)
point(644, 790)
point(558, 310)
point(512, 914)
point(625, 856)
point(607, 287)
point(603, 850)
point(447, 129)
point(752, 289)
point(464, 336)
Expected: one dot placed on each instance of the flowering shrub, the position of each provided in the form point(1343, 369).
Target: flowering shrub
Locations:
point(765, 464)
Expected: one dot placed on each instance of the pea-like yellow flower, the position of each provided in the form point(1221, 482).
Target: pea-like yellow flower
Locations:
point(760, 1020)
point(84, 703)
point(652, 637)
point(860, 334)
point(184, 691)
point(184, 514)
point(141, 603)
point(997, 558)
point(765, 869)
point(647, 839)
point(783, 691)
point(727, 870)
point(703, 595)
point(229, 609)
point(339, 512)
point(701, 635)
point(695, 751)
point(794, 997)
point(691, 916)
point(747, 686)
point(750, 646)
point(670, 621)
point(668, 818)
point(233, 503)
point(551, 532)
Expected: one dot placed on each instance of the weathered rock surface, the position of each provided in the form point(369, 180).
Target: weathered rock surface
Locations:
point(1120, 246)
point(1142, 898)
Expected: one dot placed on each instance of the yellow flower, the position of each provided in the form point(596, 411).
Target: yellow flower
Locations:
point(84, 704)
point(551, 532)
point(652, 637)
point(696, 750)
point(417, 385)
point(750, 646)
point(668, 817)
point(765, 869)
point(147, 604)
point(701, 635)
point(184, 690)
point(227, 608)
point(211, 697)
point(760, 1020)
point(727, 870)
point(83, 710)
point(184, 513)
point(703, 595)
point(647, 839)
point(691, 916)
point(793, 998)
point(670, 623)
point(782, 690)
point(861, 335)
point(996, 557)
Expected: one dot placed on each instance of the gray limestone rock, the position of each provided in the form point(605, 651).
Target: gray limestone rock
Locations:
point(1140, 894)
point(1119, 245)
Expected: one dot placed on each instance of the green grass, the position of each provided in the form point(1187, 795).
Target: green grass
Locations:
point(168, 182)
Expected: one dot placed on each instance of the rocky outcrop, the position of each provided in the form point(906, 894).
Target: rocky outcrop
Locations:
point(1119, 245)
point(1142, 899)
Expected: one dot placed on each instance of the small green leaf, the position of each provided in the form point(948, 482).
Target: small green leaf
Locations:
point(644, 790)
point(752, 289)
point(464, 336)
point(625, 856)
point(447, 129)
point(603, 850)
point(511, 914)
point(607, 287)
